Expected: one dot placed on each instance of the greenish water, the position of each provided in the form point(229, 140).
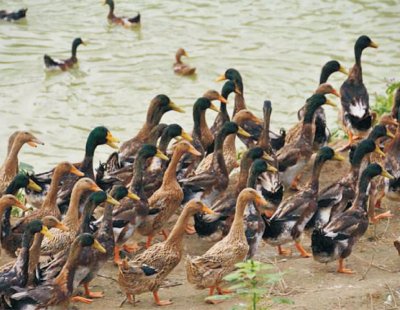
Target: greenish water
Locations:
point(278, 46)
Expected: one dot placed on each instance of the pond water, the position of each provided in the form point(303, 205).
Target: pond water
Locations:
point(278, 46)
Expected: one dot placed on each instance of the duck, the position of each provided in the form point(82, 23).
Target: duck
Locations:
point(392, 187)
point(105, 236)
point(17, 273)
point(58, 291)
point(293, 157)
point(52, 64)
point(20, 181)
point(322, 133)
point(49, 207)
point(9, 169)
point(13, 16)
point(355, 116)
point(229, 145)
point(212, 228)
point(181, 68)
point(201, 135)
point(147, 270)
point(223, 116)
point(98, 136)
point(160, 105)
point(270, 184)
point(212, 183)
point(293, 214)
point(6, 202)
point(337, 197)
point(277, 140)
point(209, 269)
point(124, 21)
point(130, 214)
point(86, 260)
point(167, 199)
point(62, 240)
point(155, 171)
point(337, 239)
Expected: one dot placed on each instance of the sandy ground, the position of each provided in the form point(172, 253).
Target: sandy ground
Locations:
point(309, 284)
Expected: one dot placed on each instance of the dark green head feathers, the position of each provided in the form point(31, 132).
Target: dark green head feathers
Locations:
point(84, 240)
point(363, 148)
point(326, 153)
point(259, 166)
point(255, 152)
point(173, 130)
point(120, 192)
point(34, 226)
point(227, 89)
point(75, 44)
point(147, 151)
point(313, 103)
point(98, 136)
point(98, 197)
point(329, 68)
point(202, 104)
point(379, 131)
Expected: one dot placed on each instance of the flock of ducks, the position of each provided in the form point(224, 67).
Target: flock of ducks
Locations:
point(148, 180)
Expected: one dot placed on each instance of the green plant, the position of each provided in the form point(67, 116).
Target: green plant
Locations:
point(250, 283)
point(383, 103)
point(22, 169)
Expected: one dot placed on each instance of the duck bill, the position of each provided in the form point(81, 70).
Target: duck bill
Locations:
point(193, 151)
point(186, 136)
point(373, 44)
point(260, 201)
point(343, 70)
point(112, 201)
point(242, 132)
point(95, 188)
point(256, 119)
point(46, 233)
point(62, 226)
point(272, 169)
point(174, 107)
point(185, 54)
point(33, 186)
point(389, 134)
point(84, 43)
point(76, 172)
point(104, 3)
point(387, 174)
point(159, 154)
point(378, 151)
point(220, 78)
point(222, 99)
point(214, 108)
point(111, 140)
point(207, 210)
point(34, 142)
point(133, 196)
point(98, 246)
point(332, 104)
point(338, 157)
point(334, 92)
point(20, 205)
point(267, 157)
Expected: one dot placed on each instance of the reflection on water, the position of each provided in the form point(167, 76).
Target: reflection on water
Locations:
point(278, 46)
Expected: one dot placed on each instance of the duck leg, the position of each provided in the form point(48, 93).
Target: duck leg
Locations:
point(165, 234)
point(302, 251)
point(283, 252)
point(117, 258)
point(387, 214)
point(211, 293)
point(379, 200)
point(88, 293)
point(131, 298)
point(341, 269)
point(352, 138)
point(82, 299)
point(161, 302)
point(223, 292)
point(294, 184)
point(148, 241)
point(131, 248)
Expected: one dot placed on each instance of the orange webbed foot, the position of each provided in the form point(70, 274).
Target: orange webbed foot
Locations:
point(90, 294)
point(387, 214)
point(131, 248)
point(81, 299)
point(303, 252)
point(224, 291)
point(346, 271)
point(283, 252)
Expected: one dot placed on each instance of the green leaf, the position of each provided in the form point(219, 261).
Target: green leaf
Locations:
point(231, 277)
point(219, 297)
point(258, 291)
point(25, 168)
point(281, 300)
point(237, 286)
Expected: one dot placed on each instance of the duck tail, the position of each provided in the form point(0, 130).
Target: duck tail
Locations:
point(49, 62)
point(323, 247)
point(136, 19)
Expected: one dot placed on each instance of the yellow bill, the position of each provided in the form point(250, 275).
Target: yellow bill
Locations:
point(338, 157)
point(387, 174)
point(98, 246)
point(267, 157)
point(132, 195)
point(174, 107)
point(186, 136)
point(272, 169)
point(328, 102)
point(220, 78)
point(112, 201)
point(214, 108)
point(45, 231)
point(111, 140)
point(378, 150)
point(242, 132)
point(33, 186)
point(373, 44)
point(343, 70)
point(159, 154)
point(389, 134)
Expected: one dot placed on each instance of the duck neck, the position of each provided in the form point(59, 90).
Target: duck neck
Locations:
point(87, 164)
point(72, 216)
point(178, 57)
point(10, 165)
point(86, 217)
point(3, 209)
point(318, 164)
point(357, 54)
point(170, 174)
point(218, 155)
point(34, 255)
point(197, 121)
point(164, 142)
point(67, 273)
point(12, 189)
point(177, 233)
point(264, 141)
point(106, 224)
point(361, 196)
point(23, 257)
point(51, 199)
point(137, 180)
point(237, 229)
point(111, 12)
point(252, 180)
point(245, 164)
